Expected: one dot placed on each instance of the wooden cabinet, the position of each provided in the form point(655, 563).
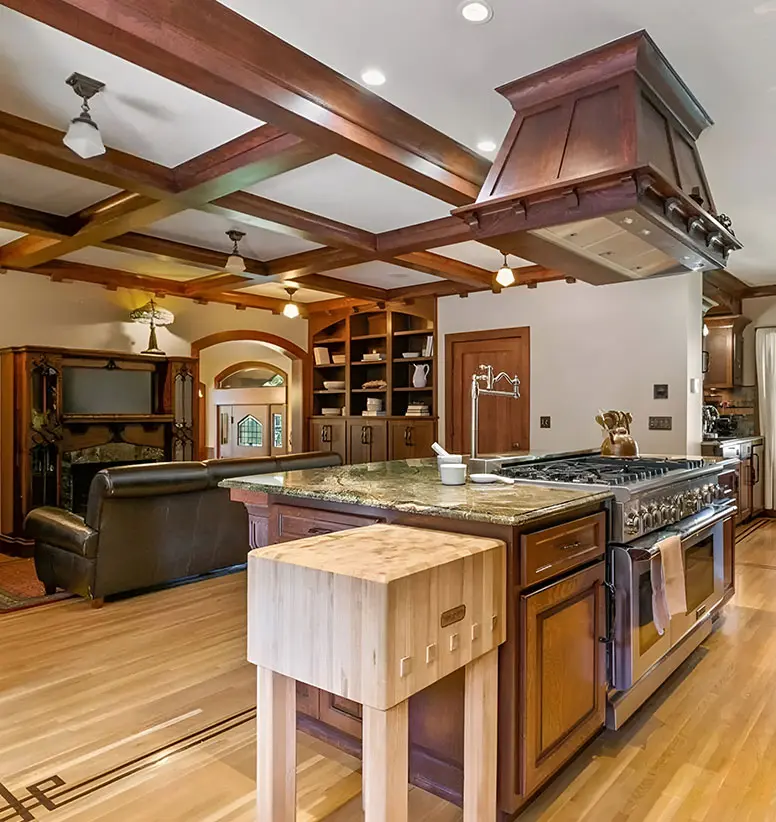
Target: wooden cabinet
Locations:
point(724, 347)
point(410, 439)
point(367, 440)
point(307, 700)
point(563, 663)
point(340, 713)
point(329, 435)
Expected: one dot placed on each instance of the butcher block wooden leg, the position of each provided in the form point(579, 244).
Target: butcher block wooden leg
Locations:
point(480, 739)
point(275, 747)
point(386, 764)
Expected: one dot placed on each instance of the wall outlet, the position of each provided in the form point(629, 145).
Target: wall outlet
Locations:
point(660, 423)
point(545, 422)
point(660, 391)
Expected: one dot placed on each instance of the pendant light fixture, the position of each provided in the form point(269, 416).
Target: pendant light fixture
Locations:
point(235, 262)
point(83, 137)
point(290, 309)
point(505, 276)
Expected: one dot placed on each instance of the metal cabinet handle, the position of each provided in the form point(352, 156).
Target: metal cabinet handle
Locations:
point(318, 531)
point(363, 435)
point(755, 468)
point(408, 436)
point(325, 433)
point(611, 613)
point(572, 546)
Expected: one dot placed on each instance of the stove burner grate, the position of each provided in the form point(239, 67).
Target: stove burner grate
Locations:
point(598, 470)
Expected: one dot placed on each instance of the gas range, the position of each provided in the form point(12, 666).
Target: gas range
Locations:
point(650, 493)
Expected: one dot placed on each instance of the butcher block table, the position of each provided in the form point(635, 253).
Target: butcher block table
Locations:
point(375, 615)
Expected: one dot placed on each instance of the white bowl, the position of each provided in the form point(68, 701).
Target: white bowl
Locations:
point(411, 355)
point(334, 385)
point(453, 473)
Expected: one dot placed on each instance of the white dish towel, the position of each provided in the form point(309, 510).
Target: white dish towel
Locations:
point(669, 595)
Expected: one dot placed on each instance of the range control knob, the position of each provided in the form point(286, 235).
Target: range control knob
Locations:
point(657, 519)
point(646, 519)
point(632, 523)
point(666, 513)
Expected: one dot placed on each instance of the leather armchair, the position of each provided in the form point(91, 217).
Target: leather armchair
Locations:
point(148, 525)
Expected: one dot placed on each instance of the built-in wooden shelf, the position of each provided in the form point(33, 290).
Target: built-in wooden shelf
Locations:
point(369, 362)
point(330, 365)
point(413, 359)
point(327, 391)
point(414, 332)
point(368, 390)
point(428, 388)
point(152, 419)
point(369, 337)
point(330, 341)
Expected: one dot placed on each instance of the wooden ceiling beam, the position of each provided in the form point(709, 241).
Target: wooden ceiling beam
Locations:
point(220, 54)
point(265, 151)
point(327, 306)
point(440, 266)
point(346, 288)
point(284, 219)
point(32, 221)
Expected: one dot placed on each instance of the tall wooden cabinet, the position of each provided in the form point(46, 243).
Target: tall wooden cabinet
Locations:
point(66, 413)
point(724, 351)
point(381, 349)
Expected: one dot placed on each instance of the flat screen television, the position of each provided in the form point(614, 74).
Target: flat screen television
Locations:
point(106, 391)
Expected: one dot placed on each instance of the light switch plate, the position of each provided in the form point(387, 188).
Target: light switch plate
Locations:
point(545, 422)
point(695, 385)
point(660, 423)
point(660, 391)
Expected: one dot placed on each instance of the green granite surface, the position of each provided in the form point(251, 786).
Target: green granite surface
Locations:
point(413, 486)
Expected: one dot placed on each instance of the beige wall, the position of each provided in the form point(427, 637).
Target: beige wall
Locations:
point(599, 347)
point(762, 313)
point(35, 311)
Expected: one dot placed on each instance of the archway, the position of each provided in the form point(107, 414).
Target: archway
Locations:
point(299, 373)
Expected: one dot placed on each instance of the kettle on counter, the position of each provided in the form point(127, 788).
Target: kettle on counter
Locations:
point(618, 441)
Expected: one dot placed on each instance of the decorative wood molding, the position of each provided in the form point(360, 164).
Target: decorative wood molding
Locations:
point(224, 56)
point(293, 350)
point(236, 367)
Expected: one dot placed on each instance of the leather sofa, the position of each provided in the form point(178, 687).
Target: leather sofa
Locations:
point(151, 524)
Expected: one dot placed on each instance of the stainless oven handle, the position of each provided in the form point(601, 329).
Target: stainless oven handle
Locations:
point(611, 614)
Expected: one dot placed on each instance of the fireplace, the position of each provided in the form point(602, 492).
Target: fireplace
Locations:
point(79, 468)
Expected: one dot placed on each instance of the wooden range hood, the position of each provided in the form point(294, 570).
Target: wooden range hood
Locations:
point(600, 171)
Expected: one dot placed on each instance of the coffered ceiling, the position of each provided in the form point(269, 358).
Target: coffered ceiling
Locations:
point(321, 200)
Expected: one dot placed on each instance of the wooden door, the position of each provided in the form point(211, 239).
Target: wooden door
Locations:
point(563, 665)
point(504, 422)
point(249, 433)
point(410, 439)
point(329, 435)
point(367, 441)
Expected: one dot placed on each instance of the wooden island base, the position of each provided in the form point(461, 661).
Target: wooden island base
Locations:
point(551, 669)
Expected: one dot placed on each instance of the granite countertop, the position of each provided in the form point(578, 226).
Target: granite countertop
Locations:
point(731, 440)
point(413, 486)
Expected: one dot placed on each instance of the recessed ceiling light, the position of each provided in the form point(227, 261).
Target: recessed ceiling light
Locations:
point(373, 77)
point(486, 146)
point(476, 11)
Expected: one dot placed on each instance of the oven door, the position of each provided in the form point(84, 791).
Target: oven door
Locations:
point(704, 577)
point(637, 644)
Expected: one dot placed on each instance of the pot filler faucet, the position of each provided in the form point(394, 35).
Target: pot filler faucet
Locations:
point(485, 383)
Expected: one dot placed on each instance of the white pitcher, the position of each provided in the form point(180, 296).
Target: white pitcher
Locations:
point(420, 377)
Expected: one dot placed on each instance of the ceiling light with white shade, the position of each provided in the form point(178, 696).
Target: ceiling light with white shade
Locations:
point(487, 146)
point(476, 11)
point(235, 262)
point(291, 309)
point(505, 276)
point(83, 136)
point(373, 77)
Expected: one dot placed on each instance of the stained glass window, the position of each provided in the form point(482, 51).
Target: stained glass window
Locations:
point(277, 430)
point(250, 432)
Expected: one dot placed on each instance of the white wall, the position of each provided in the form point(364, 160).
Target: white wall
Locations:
point(35, 311)
point(599, 347)
point(762, 312)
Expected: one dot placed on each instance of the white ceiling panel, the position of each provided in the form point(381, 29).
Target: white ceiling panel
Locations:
point(45, 189)
point(204, 229)
point(444, 71)
point(478, 254)
point(353, 194)
point(381, 275)
point(277, 290)
point(136, 264)
point(8, 236)
point(138, 112)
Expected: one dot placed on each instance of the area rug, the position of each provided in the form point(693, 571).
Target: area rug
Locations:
point(20, 587)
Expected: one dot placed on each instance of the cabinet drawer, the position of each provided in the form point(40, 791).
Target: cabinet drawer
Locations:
point(298, 523)
point(553, 551)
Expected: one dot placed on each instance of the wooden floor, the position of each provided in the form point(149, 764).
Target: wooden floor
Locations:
point(144, 712)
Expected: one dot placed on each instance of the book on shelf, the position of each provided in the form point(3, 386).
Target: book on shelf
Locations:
point(321, 355)
point(373, 413)
point(428, 348)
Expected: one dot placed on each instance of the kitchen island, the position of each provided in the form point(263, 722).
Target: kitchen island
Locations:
point(552, 668)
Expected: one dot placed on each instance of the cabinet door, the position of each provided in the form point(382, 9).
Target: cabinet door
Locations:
point(563, 664)
point(758, 482)
point(367, 441)
point(340, 713)
point(328, 435)
point(719, 345)
point(411, 439)
point(307, 700)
